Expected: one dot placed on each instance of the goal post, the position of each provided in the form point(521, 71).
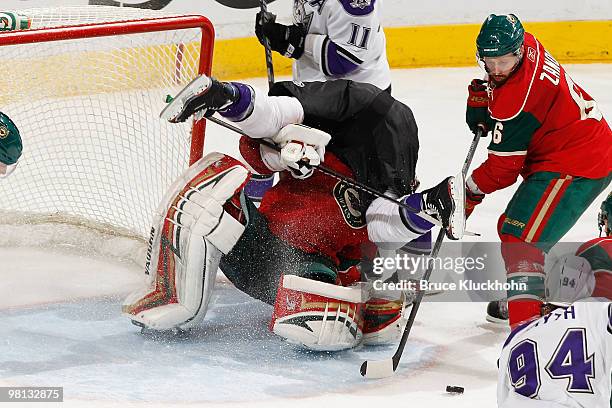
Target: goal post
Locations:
point(85, 86)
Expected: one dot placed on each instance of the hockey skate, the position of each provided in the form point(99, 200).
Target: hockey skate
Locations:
point(497, 312)
point(446, 202)
point(203, 94)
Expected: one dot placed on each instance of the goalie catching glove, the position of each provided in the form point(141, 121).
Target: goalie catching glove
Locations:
point(301, 149)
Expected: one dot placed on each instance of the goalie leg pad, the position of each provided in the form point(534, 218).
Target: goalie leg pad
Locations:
point(191, 232)
point(384, 319)
point(316, 315)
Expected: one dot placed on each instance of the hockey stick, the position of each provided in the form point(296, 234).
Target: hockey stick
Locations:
point(333, 173)
point(241, 4)
point(386, 368)
point(269, 66)
point(151, 4)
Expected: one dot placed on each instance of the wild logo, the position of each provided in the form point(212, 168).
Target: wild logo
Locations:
point(348, 201)
point(361, 3)
point(4, 132)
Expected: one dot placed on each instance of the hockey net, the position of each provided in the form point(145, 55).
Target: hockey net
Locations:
point(85, 86)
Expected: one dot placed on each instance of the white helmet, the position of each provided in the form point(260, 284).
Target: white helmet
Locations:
point(570, 279)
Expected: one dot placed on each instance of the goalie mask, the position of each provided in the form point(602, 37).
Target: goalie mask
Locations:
point(10, 145)
point(603, 220)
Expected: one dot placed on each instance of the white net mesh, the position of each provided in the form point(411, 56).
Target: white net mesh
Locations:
point(95, 151)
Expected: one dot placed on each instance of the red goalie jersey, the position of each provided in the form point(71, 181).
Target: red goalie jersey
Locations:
point(542, 121)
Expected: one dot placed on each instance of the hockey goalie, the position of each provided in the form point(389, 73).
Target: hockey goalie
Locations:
point(298, 251)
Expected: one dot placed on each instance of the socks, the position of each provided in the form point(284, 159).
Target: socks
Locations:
point(412, 220)
point(242, 106)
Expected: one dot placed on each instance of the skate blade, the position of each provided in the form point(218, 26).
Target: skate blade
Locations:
point(174, 109)
point(457, 220)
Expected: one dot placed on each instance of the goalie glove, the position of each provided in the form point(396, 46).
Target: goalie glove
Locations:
point(300, 159)
point(301, 149)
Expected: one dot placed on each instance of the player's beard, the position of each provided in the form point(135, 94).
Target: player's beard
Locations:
point(499, 79)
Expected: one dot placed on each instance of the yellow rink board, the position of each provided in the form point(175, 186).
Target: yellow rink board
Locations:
point(432, 46)
point(80, 72)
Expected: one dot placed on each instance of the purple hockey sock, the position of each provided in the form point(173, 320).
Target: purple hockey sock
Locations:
point(243, 106)
point(411, 219)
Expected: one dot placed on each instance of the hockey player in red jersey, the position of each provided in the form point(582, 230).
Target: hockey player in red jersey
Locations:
point(310, 227)
point(544, 128)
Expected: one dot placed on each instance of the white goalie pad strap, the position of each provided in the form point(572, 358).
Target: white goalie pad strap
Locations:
point(226, 234)
point(358, 293)
point(183, 256)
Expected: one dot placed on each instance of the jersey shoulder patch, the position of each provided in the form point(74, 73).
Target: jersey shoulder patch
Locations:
point(507, 101)
point(358, 7)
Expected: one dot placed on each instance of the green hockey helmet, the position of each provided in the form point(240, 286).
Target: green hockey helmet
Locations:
point(10, 145)
point(603, 219)
point(500, 35)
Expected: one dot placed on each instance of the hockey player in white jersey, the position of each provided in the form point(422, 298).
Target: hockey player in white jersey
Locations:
point(328, 40)
point(331, 40)
point(563, 359)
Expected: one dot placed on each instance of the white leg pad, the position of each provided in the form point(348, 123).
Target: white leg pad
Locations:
point(187, 243)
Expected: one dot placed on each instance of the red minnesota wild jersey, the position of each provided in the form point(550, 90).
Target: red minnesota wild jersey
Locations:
point(541, 120)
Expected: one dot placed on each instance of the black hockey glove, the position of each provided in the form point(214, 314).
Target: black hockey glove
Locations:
point(286, 40)
point(477, 112)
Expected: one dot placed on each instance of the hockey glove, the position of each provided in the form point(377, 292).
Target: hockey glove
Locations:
point(286, 40)
point(300, 159)
point(477, 105)
point(473, 197)
point(301, 148)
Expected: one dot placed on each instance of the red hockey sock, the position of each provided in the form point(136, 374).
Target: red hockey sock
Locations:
point(522, 310)
point(525, 272)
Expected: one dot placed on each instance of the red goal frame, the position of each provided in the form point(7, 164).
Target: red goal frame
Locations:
point(107, 29)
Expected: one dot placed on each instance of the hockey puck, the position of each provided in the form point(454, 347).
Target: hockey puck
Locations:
point(453, 389)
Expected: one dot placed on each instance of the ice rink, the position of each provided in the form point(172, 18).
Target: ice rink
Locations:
point(60, 320)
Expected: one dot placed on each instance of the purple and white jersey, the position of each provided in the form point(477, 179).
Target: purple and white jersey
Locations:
point(345, 40)
point(563, 359)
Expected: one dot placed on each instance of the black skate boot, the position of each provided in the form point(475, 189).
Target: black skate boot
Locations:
point(202, 94)
point(446, 202)
point(497, 312)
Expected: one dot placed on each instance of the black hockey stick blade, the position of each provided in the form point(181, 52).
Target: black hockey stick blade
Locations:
point(151, 4)
point(241, 4)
